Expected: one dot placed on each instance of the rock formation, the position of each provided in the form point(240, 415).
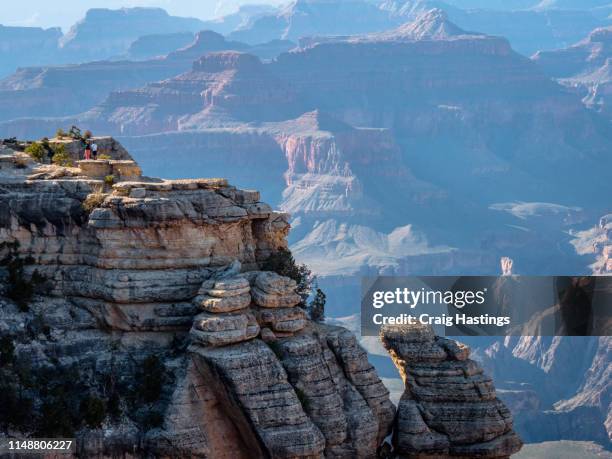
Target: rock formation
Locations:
point(585, 67)
point(134, 272)
point(529, 25)
point(449, 407)
point(21, 46)
point(67, 90)
point(105, 32)
point(152, 45)
point(551, 393)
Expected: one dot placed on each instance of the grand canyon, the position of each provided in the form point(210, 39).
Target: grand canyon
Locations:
point(396, 138)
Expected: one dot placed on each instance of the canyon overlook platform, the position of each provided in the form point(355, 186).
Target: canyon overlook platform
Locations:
point(135, 267)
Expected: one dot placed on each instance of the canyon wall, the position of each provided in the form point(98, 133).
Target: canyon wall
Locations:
point(133, 273)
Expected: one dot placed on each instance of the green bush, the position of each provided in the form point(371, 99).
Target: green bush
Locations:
point(114, 406)
point(283, 263)
point(60, 156)
point(109, 180)
point(20, 288)
point(36, 326)
point(61, 390)
point(36, 151)
point(75, 133)
point(104, 156)
point(316, 308)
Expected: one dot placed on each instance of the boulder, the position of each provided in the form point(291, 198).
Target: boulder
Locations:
point(224, 295)
point(223, 329)
point(227, 304)
point(125, 169)
point(274, 284)
point(271, 290)
point(95, 169)
point(284, 320)
point(267, 300)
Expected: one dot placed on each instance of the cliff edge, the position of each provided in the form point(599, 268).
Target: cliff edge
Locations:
point(148, 295)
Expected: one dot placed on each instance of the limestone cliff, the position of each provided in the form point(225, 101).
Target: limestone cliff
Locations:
point(152, 331)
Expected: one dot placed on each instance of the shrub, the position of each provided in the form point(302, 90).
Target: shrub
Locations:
point(87, 135)
point(17, 408)
point(61, 390)
point(75, 133)
point(60, 133)
point(114, 406)
point(151, 377)
point(317, 306)
point(93, 411)
point(109, 180)
point(36, 151)
point(104, 156)
point(93, 201)
point(38, 326)
point(60, 156)
point(20, 288)
point(152, 419)
point(283, 263)
point(7, 350)
point(21, 160)
point(178, 344)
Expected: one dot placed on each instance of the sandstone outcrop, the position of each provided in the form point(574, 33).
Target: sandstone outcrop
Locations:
point(449, 407)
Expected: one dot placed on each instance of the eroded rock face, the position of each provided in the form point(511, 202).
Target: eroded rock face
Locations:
point(143, 248)
point(160, 280)
point(310, 394)
point(449, 407)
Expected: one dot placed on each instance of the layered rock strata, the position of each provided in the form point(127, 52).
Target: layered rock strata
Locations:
point(226, 318)
point(449, 407)
point(166, 273)
point(275, 303)
point(307, 395)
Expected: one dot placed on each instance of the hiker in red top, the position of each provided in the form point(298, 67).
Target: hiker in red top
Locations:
point(87, 151)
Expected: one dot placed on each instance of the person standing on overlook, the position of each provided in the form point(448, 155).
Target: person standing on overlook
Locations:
point(87, 151)
point(94, 150)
